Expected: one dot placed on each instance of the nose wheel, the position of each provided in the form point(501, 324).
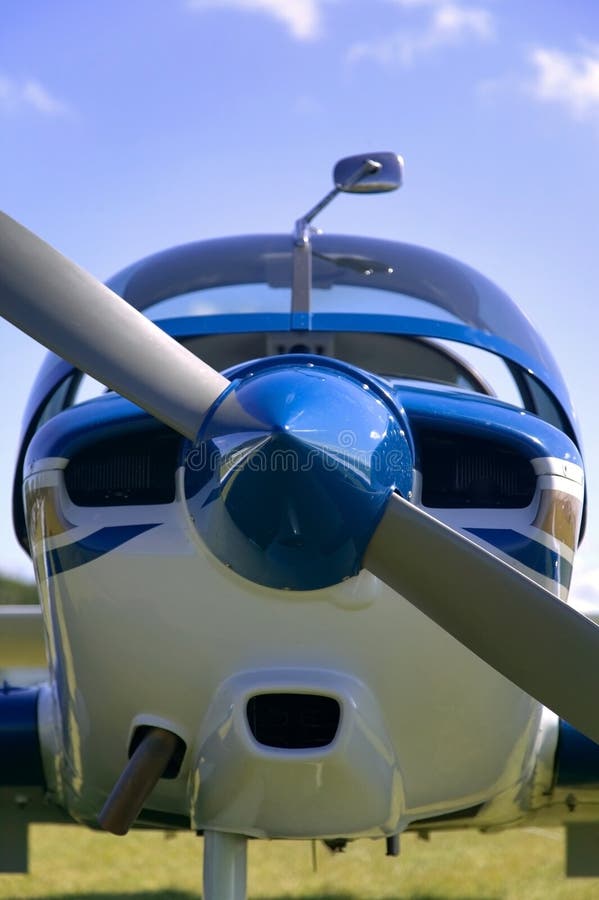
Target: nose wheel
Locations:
point(225, 866)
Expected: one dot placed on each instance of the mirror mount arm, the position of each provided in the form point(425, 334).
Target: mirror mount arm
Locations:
point(302, 248)
point(302, 232)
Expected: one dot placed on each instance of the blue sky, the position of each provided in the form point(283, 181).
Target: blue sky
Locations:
point(130, 126)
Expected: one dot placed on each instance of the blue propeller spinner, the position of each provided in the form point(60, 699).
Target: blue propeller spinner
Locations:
point(292, 469)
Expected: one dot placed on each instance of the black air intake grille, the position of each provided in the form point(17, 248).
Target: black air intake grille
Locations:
point(129, 470)
point(461, 471)
point(293, 721)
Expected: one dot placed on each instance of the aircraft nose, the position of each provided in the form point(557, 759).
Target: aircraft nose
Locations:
point(292, 469)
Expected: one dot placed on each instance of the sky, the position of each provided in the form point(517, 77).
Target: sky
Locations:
point(129, 126)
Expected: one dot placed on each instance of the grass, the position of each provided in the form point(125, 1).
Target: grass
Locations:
point(70, 863)
point(17, 591)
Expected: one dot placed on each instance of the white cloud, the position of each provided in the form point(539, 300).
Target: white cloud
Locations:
point(454, 22)
point(584, 591)
point(447, 24)
point(29, 94)
point(569, 79)
point(37, 96)
point(302, 17)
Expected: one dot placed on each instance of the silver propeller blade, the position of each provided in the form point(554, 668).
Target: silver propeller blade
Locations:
point(524, 632)
point(67, 310)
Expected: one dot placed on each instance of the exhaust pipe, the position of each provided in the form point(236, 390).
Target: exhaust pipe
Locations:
point(145, 767)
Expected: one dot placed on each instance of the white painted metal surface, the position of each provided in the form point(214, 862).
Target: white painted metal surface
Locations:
point(457, 732)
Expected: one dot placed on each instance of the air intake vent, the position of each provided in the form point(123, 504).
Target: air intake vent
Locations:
point(125, 470)
point(293, 721)
point(462, 471)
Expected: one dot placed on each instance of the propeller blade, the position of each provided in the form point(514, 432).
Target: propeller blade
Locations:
point(523, 631)
point(67, 310)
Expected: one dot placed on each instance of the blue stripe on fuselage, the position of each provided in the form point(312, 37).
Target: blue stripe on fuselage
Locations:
point(530, 553)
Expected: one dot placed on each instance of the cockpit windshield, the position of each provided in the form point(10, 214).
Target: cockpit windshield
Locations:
point(395, 309)
point(423, 291)
point(263, 298)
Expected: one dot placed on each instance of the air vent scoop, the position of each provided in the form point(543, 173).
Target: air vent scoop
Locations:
point(293, 721)
point(462, 471)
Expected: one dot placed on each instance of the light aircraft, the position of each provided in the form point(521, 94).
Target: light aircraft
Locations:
point(303, 565)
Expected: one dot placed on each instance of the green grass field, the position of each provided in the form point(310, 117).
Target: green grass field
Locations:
point(68, 862)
